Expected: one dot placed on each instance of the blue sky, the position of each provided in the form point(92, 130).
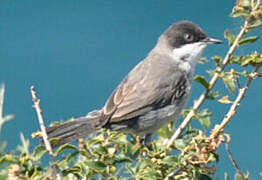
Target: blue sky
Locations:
point(76, 53)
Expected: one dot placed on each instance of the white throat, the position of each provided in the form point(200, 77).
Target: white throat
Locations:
point(188, 55)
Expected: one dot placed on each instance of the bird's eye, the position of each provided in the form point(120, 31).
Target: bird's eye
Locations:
point(188, 37)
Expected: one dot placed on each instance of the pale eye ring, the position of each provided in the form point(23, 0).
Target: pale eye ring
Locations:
point(188, 37)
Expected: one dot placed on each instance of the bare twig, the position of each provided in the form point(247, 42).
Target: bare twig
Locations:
point(230, 155)
point(212, 83)
point(240, 96)
point(41, 122)
point(6, 118)
point(55, 169)
point(2, 98)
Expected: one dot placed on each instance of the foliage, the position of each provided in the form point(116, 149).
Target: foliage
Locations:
point(115, 155)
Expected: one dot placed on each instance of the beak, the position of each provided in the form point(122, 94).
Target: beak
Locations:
point(210, 40)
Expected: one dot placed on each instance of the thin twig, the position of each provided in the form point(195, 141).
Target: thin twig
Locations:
point(230, 155)
point(212, 83)
point(41, 123)
point(55, 169)
point(2, 98)
point(233, 108)
point(6, 118)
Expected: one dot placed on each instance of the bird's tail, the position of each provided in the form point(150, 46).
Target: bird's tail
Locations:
point(72, 130)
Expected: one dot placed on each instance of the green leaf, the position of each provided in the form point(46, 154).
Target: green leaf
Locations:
point(170, 160)
point(229, 82)
point(190, 132)
point(250, 39)
point(100, 149)
point(180, 144)
point(96, 165)
point(240, 12)
point(203, 177)
point(213, 95)
point(253, 59)
point(246, 60)
point(213, 72)
point(129, 169)
point(37, 134)
point(39, 151)
point(244, 4)
point(243, 73)
point(132, 150)
point(74, 170)
point(185, 112)
point(254, 24)
point(205, 118)
point(85, 153)
point(258, 59)
point(36, 175)
point(84, 168)
point(238, 176)
point(165, 132)
point(230, 37)
point(151, 174)
point(144, 164)
point(202, 81)
point(65, 147)
point(71, 155)
point(225, 100)
point(217, 59)
point(202, 60)
point(93, 141)
point(212, 157)
point(122, 157)
point(205, 122)
point(120, 139)
point(235, 59)
point(7, 158)
point(54, 141)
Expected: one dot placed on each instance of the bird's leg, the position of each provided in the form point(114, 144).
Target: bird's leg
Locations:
point(147, 141)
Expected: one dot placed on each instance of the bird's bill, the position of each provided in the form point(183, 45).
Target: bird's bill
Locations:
point(210, 40)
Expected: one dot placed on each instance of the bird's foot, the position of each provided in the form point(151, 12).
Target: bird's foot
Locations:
point(147, 141)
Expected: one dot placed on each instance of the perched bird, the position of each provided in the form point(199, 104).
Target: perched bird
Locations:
point(152, 94)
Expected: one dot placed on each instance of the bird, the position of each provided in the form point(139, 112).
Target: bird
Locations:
point(153, 93)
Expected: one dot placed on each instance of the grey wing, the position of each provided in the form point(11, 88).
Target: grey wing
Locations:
point(144, 89)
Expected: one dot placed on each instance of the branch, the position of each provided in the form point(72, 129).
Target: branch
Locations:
point(6, 118)
point(2, 98)
point(230, 155)
point(212, 83)
point(233, 108)
point(55, 170)
point(41, 122)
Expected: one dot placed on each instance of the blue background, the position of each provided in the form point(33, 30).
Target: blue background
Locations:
point(76, 53)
